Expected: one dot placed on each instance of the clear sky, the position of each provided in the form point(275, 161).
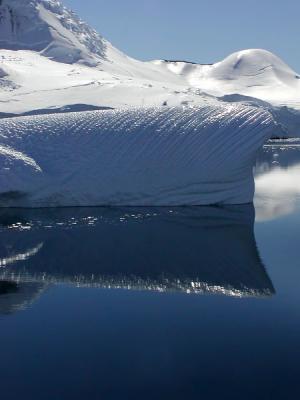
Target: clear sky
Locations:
point(196, 30)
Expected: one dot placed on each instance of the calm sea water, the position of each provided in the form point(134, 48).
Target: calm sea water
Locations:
point(156, 303)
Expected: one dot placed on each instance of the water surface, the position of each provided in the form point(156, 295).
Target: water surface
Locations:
point(143, 303)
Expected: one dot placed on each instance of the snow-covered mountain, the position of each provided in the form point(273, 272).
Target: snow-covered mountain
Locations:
point(46, 26)
point(50, 60)
point(255, 72)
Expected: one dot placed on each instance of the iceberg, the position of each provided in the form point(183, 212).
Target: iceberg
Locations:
point(136, 157)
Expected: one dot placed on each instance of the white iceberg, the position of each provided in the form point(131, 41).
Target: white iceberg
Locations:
point(141, 157)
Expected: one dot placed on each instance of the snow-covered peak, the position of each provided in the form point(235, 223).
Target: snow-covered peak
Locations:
point(50, 28)
point(253, 64)
point(254, 72)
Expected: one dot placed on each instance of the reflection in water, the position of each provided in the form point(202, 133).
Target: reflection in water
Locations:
point(8, 287)
point(16, 296)
point(13, 258)
point(277, 181)
point(277, 193)
point(193, 250)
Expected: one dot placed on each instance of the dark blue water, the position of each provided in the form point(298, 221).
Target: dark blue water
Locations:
point(181, 303)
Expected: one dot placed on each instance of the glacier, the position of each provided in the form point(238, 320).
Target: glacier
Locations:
point(139, 157)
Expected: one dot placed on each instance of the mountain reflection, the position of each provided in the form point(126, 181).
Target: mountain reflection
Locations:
point(187, 249)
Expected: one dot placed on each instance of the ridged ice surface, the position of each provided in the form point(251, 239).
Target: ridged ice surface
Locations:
point(157, 156)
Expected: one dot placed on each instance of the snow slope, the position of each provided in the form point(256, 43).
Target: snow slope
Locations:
point(111, 85)
point(159, 156)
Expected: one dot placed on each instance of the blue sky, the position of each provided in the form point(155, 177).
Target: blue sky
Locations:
point(196, 30)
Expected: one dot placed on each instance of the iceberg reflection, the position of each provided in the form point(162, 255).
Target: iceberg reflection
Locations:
point(277, 181)
point(16, 296)
point(12, 259)
point(192, 250)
